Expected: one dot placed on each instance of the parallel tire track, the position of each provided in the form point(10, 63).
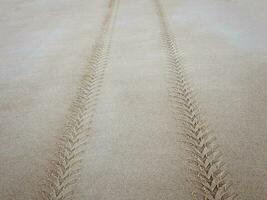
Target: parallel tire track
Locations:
point(64, 171)
point(206, 168)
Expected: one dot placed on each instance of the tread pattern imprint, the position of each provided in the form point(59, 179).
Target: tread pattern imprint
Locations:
point(64, 170)
point(208, 176)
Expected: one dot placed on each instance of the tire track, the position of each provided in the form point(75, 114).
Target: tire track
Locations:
point(207, 171)
point(65, 170)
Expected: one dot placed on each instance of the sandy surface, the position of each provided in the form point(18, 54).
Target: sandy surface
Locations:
point(133, 149)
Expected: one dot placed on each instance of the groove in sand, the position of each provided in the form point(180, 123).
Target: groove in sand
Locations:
point(206, 168)
point(64, 171)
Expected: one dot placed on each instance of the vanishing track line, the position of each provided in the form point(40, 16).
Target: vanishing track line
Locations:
point(64, 171)
point(207, 172)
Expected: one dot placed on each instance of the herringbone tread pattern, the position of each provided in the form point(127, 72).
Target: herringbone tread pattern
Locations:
point(208, 175)
point(64, 171)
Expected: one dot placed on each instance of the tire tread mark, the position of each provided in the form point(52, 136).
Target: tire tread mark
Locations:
point(205, 165)
point(64, 171)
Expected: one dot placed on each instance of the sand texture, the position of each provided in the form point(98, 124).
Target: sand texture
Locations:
point(133, 100)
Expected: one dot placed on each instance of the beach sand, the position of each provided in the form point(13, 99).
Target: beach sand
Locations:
point(118, 55)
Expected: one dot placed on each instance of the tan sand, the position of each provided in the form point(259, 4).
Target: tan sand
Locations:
point(128, 110)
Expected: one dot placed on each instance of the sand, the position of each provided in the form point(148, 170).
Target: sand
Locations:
point(135, 144)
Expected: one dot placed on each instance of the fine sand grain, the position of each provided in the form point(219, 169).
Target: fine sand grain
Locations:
point(133, 100)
